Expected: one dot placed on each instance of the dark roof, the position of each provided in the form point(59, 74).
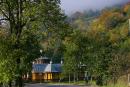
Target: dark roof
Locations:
point(43, 68)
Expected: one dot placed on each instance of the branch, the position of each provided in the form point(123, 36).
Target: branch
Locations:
point(10, 12)
point(3, 19)
point(1, 2)
point(4, 13)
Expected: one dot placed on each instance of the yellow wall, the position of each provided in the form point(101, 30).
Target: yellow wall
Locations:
point(45, 76)
point(37, 76)
point(48, 76)
point(34, 76)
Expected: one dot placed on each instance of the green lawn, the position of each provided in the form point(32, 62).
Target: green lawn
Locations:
point(120, 84)
point(67, 83)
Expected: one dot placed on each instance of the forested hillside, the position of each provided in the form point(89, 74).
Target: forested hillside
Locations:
point(96, 42)
point(102, 44)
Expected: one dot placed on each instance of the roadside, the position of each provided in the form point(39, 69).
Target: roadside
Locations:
point(53, 85)
point(60, 84)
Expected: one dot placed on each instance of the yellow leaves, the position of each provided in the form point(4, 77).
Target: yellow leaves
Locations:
point(96, 27)
point(118, 34)
point(124, 32)
point(104, 16)
point(114, 37)
point(111, 24)
point(80, 24)
point(96, 30)
point(3, 33)
point(67, 39)
point(110, 19)
point(45, 45)
point(126, 8)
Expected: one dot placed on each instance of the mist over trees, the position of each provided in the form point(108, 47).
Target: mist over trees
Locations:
point(102, 44)
point(97, 40)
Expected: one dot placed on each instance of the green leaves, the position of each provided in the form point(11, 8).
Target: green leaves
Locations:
point(103, 48)
point(30, 24)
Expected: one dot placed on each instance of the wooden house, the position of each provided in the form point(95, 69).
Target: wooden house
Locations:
point(45, 71)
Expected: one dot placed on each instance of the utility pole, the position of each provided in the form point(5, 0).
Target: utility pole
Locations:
point(128, 80)
point(129, 27)
point(41, 72)
point(128, 72)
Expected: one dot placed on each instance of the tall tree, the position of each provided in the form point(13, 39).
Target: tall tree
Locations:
point(24, 22)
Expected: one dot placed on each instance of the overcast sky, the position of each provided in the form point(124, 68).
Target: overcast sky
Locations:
point(70, 6)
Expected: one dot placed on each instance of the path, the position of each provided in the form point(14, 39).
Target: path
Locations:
point(47, 85)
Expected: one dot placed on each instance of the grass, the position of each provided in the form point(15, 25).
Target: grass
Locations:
point(80, 83)
point(67, 83)
point(119, 84)
point(93, 83)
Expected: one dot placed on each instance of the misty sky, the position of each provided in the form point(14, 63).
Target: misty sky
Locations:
point(70, 6)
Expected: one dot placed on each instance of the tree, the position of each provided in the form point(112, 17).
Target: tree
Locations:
point(25, 21)
point(69, 56)
point(103, 47)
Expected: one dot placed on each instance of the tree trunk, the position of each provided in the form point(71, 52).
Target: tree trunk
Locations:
point(114, 80)
point(69, 77)
point(19, 82)
point(10, 84)
point(0, 84)
point(77, 77)
point(74, 77)
point(16, 83)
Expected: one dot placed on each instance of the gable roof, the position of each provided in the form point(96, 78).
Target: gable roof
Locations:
point(43, 68)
